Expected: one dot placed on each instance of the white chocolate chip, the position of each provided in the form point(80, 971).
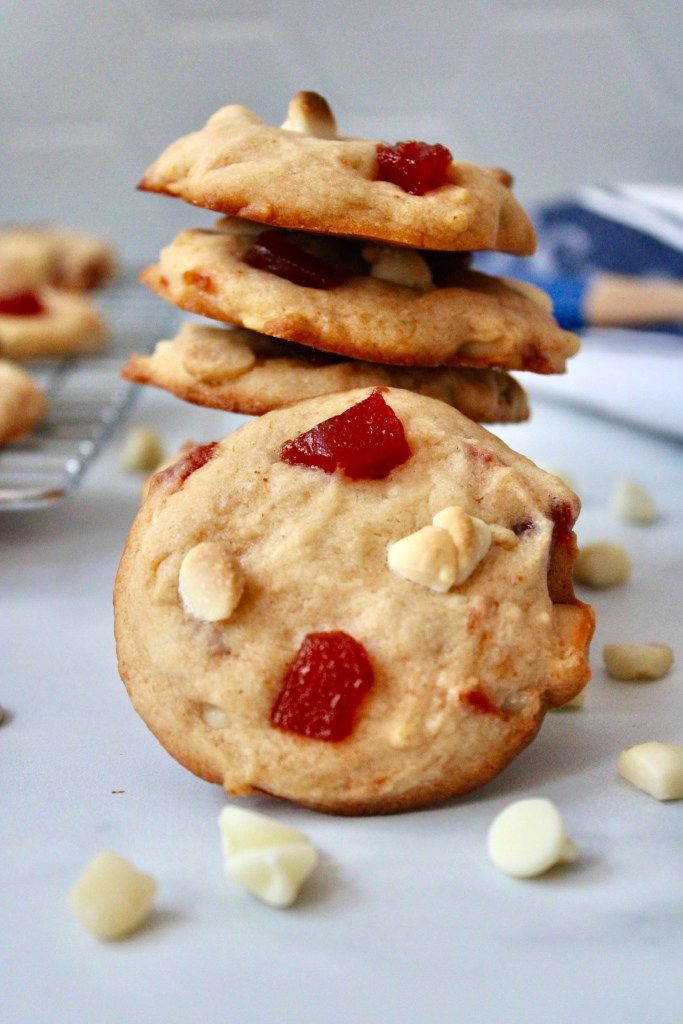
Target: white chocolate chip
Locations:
point(637, 661)
point(503, 536)
point(215, 717)
point(566, 479)
point(309, 114)
point(271, 860)
point(111, 899)
point(427, 557)
point(530, 291)
point(633, 503)
point(213, 355)
point(210, 582)
point(654, 767)
point(601, 566)
point(528, 838)
point(471, 536)
point(142, 451)
point(575, 702)
point(400, 266)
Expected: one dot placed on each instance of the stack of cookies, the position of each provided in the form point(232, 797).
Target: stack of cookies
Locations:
point(361, 600)
point(343, 264)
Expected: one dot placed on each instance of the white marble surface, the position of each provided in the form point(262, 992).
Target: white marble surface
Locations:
point(405, 921)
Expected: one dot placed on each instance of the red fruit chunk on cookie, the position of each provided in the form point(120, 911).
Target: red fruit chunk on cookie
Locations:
point(366, 442)
point(274, 252)
point(21, 304)
point(416, 167)
point(323, 688)
point(179, 471)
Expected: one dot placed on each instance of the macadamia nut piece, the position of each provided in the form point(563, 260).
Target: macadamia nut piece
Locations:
point(637, 661)
point(602, 566)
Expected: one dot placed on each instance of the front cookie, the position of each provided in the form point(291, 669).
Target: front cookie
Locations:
point(250, 373)
point(375, 304)
point(275, 638)
point(304, 176)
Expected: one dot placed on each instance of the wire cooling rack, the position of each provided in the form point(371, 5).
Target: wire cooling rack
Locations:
point(87, 399)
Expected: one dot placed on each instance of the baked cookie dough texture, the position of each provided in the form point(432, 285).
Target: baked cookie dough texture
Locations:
point(303, 175)
point(229, 567)
point(22, 402)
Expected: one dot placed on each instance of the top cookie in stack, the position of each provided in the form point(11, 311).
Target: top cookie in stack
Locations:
point(354, 256)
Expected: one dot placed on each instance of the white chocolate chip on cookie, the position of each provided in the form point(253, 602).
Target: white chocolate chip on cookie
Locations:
point(633, 503)
point(210, 582)
point(602, 566)
point(215, 717)
point(111, 899)
point(528, 838)
point(427, 557)
point(637, 661)
point(654, 767)
point(214, 355)
point(310, 114)
point(401, 266)
point(471, 536)
point(271, 860)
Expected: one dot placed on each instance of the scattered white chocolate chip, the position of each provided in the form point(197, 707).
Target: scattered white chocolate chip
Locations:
point(637, 661)
point(575, 702)
point(528, 838)
point(310, 114)
point(215, 717)
point(400, 266)
point(471, 536)
point(271, 860)
point(427, 557)
point(602, 565)
point(111, 899)
point(141, 452)
point(210, 582)
point(654, 767)
point(633, 503)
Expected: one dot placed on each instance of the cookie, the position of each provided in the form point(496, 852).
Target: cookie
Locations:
point(49, 322)
point(269, 632)
point(249, 373)
point(304, 176)
point(469, 319)
point(22, 402)
point(33, 256)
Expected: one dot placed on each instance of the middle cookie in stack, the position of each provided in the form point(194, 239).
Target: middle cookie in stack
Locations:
point(363, 281)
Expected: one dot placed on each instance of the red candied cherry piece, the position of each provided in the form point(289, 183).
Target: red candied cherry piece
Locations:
point(275, 252)
point(366, 442)
point(416, 167)
point(324, 687)
point(188, 464)
point(21, 304)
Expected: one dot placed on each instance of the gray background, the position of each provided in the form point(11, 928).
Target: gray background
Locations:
point(561, 92)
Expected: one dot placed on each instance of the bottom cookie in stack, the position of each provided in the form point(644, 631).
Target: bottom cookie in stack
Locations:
point(361, 603)
point(246, 372)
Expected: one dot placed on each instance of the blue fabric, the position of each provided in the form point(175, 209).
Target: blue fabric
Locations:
point(575, 244)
